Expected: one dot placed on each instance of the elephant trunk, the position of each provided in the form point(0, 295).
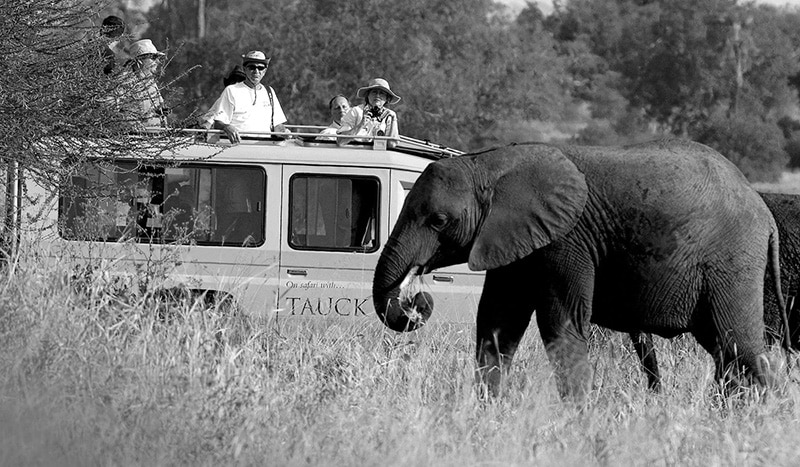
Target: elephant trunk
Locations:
point(395, 307)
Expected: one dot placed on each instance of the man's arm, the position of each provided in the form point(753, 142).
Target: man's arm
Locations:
point(223, 116)
point(230, 131)
point(349, 125)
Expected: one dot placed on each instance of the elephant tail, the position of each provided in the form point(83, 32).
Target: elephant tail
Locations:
point(775, 267)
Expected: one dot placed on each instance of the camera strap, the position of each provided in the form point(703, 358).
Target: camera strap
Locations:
point(272, 108)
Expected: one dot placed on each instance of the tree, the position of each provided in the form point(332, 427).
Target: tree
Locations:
point(444, 58)
point(683, 61)
point(755, 146)
point(57, 108)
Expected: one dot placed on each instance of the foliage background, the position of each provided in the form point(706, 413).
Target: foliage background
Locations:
point(471, 74)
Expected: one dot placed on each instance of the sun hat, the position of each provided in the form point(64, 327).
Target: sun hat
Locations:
point(382, 84)
point(143, 47)
point(255, 56)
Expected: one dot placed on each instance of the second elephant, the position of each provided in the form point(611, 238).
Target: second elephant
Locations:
point(785, 209)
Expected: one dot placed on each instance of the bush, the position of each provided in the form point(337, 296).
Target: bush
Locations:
point(792, 148)
point(597, 133)
point(755, 146)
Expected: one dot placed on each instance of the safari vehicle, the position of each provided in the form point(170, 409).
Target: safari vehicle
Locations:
point(285, 227)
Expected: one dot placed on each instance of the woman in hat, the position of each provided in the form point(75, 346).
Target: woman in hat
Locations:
point(144, 101)
point(372, 118)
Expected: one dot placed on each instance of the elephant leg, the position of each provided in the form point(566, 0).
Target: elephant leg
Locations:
point(504, 313)
point(734, 336)
point(568, 352)
point(563, 318)
point(563, 333)
point(643, 344)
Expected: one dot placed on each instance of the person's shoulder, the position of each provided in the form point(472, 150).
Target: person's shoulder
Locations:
point(126, 75)
point(234, 89)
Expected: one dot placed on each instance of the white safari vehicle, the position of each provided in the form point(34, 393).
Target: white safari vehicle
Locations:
point(287, 228)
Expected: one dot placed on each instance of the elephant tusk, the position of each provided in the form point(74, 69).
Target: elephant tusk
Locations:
point(412, 274)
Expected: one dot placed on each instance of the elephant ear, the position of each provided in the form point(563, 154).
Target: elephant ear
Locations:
point(536, 197)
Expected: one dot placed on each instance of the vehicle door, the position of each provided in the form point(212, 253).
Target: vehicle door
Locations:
point(334, 223)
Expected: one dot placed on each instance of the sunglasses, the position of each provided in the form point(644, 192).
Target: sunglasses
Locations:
point(256, 67)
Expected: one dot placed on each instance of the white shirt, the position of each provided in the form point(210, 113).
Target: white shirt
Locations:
point(332, 129)
point(140, 98)
point(356, 121)
point(207, 119)
point(248, 109)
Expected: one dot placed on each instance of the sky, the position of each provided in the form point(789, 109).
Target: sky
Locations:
point(547, 5)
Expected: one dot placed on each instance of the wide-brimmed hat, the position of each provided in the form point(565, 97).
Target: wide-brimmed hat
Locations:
point(379, 83)
point(255, 56)
point(143, 47)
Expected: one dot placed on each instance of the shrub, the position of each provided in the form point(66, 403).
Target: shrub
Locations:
point(792, 148)
point(597, 134)
point(755, 146)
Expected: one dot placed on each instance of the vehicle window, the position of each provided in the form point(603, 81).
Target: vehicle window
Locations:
point(207, 205)
point(334, 213)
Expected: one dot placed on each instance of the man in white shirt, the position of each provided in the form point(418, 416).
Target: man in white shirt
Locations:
point(250, 106)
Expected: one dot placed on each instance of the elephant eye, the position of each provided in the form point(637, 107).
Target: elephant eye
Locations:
point(438, 221)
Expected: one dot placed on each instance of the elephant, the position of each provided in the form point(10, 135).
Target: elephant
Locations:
point(665, 237)
point(785, 209)
point(783, 328)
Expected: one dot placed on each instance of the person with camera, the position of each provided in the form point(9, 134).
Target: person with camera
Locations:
point(372, 118)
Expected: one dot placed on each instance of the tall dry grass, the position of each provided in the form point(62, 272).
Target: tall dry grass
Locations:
point(94, 375)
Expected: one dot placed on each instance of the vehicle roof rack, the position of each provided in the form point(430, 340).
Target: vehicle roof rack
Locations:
point(309, 134)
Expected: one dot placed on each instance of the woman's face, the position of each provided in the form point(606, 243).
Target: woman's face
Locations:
point(377, 97)
point(149, 63)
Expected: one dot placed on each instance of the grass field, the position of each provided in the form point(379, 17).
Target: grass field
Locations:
point(94, 377)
